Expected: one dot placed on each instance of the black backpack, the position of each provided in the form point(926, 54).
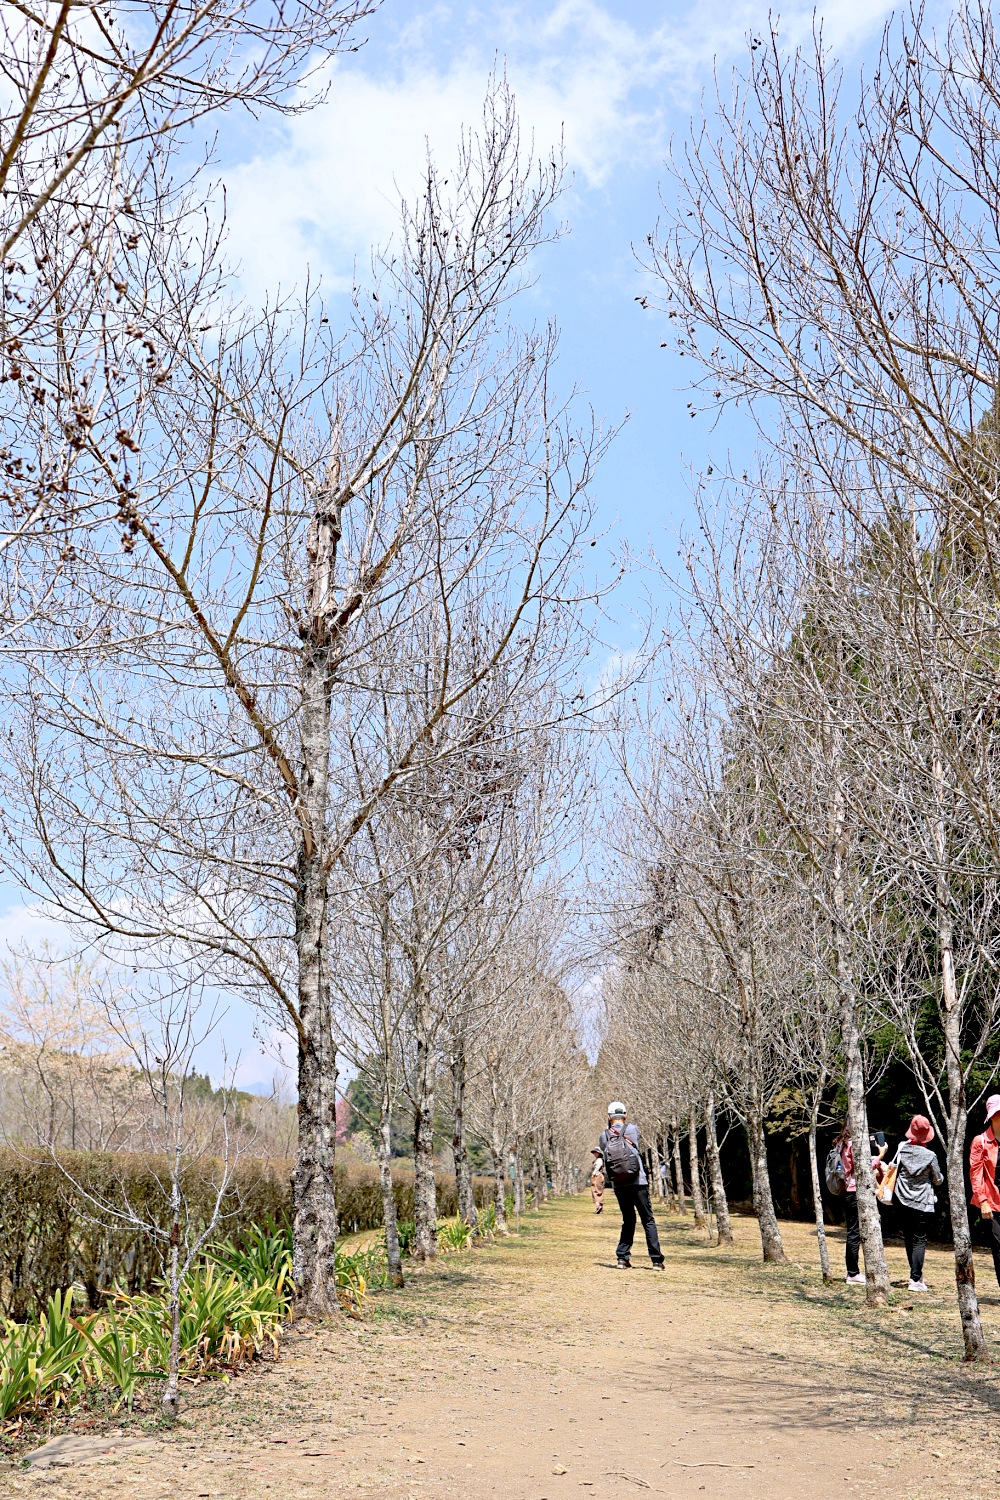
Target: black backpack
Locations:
point(621, 1158)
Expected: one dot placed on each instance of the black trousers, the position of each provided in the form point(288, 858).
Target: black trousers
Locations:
point(633, 1199)
point(914, 1223)
point(853, 1233)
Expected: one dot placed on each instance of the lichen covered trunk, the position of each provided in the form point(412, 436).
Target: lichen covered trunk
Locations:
point(715, 1173)
point(315, 1209)
point(424, 1186)
point(315, 1222)
point(675, 1146)
point(824, 1249)
point(394, 1256)
point(657, 1159)
point(872, 1246)
point(973, 1337)
point(499, 1187)
point(459, 1145)
point(763, 1199)
point(697, 1198)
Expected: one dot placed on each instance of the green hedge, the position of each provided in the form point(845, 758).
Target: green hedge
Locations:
point(61, 1224)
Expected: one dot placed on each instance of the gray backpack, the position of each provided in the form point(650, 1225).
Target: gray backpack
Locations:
point(836, 1177)
point(621, 1158)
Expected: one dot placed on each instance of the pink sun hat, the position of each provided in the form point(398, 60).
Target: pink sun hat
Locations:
point(992, 1107)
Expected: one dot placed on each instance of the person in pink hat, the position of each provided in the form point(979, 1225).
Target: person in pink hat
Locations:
point(983, 1172)
point(918, 1174)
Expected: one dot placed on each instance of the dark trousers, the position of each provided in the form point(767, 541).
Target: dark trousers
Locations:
point(995, 1244)
point(633, 1199)
point(914, 1223)
point(853, 1233)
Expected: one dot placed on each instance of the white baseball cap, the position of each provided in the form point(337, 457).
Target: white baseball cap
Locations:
point(617, 1110)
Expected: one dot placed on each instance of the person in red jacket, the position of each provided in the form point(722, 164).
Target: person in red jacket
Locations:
point(983, 1172)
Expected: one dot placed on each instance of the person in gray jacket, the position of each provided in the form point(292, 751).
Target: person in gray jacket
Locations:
point(917, 1176)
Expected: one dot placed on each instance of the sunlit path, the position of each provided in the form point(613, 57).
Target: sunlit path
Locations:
point(534, 1369)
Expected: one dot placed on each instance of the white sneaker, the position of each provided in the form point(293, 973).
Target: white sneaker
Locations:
point(918, 1286)
point(858, 1280)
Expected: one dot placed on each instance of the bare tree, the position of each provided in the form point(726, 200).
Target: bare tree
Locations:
point(210, 721)
point(840, 262)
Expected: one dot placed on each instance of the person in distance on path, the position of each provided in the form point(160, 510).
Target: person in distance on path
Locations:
point(983, 1175)
point(917, 1176)
point(597, 1183)
point(623, 1168)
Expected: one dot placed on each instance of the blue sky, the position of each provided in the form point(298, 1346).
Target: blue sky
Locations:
point(617, 81)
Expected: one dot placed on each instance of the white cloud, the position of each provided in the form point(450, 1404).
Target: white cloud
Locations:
point(325, 190)
point(330, 190)
point(32, 927)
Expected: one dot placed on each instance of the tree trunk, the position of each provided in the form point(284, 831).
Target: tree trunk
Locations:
point(543, 1183)
point(763, 1201)
point(824, 1249)
point(518, 1189)
point(698, 1201)
point(393, 1252)
point(715, 1173)
point(876, 1266)
point(315, 1226)
point(170, 1400)
point(675, 1146)
point(424, 1187)
point(965, 1271)
point(460, 1150)
point(499, 1188)
point(657, 1158)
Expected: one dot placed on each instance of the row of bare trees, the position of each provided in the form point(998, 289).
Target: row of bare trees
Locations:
point(815, 777)
point(292, 603)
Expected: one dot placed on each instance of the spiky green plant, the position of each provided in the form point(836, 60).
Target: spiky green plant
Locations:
point(453, 1236)
point(39, 1362)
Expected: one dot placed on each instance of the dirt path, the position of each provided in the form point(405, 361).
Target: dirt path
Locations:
point(534, 1369)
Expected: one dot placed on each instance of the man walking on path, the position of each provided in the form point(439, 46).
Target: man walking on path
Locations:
point(624, 1170)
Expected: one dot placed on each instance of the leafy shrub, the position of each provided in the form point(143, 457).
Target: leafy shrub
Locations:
point(454, 1235)
point(260, 1253)
point(360, 1270)
point(117, 1353)
point(232, 1306)
point(487, 1222)
point(39, 1362)
point(225, 1321)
